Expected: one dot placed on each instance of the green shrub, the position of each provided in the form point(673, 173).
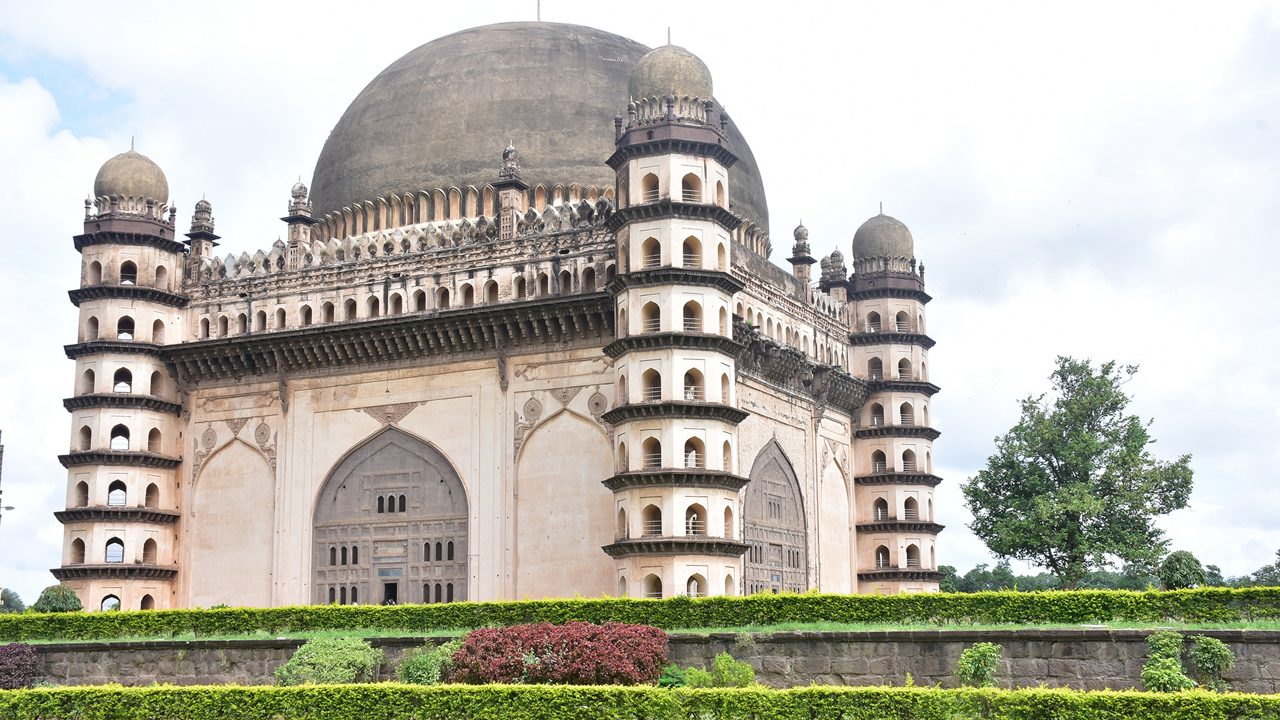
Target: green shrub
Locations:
point(1210, 660)
point(392, 701)
point(673, 676)
point(326, 661)
point(1181, 570)
point(57, 599)
point(1162, 674)
point(1165, 644)
point(725, 673)
point(425, 666)
point(1052, 607)
point(977, 665)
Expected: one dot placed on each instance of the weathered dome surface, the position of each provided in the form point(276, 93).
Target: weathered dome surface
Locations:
point(441, 115)
point(883, 236)
point(131, 175)
point(668, 70)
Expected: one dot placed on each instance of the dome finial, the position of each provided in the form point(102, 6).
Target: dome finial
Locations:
point(881, 207)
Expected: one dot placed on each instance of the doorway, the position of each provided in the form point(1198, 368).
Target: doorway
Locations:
point(390, 593)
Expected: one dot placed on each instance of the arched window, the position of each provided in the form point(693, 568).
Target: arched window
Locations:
point(124, 328)
point(280, 319)
point(419, 301)
point(355, 556)
point(694, 386)
point(692, 316)
point(620, 396)
point(333, 556)
point(875, 369)
point(565, 282)
point(223, 327)
point(724, 389)
point(426, 552)
point(242, 323)
point(651, 521)
point(109, 603)
point(86, 438)
point(728, 523)
point(342, 596)
point(151, 498)
point(439, 594)
point(620, 531)
point(650, 253)
point(94, 276)
point(518, 286)
point(115, 550)
point(691, 253)
point(696, 586)
point(649, 188)
point(695, 454)
point(149, 552)
point(448, 592)
point(304, 313)
point(623, 463)
point(722, 259)
point(913, 556)
point(873, 322)
point(929, 517)
point(442, 299)
point(928, 461)
point(373, 307)
point(156, 386)
point(82, 494)
point(326, 312)
point(882, 557)
point(153, 440)
point(382, 508)
point(652, 587)
point(260, 321)
point(902, 322)
point(157, 332)
point(88, 382)
point(349, 309)
point(720, 193)
point(904, 369)
point(544, 285)
point(622, 586)
point(91, 329)
point(204, 328)
point(342, 555)
point(128, 273)
point(908, 461)
point(729, 587)
point(877, 415)
point(724, 323)
point(910, 509)
point(925, 411)
point(880, 509)
point(695, 520)
point(449, 552)
point(162, 277)
point(650, 318)
point(426, 593)
point(148, 603)
point(610, 272)
point(491, 292)
point(691, 188)
point(439, 554)
point(622, 329)
point(400, 504)
point(588, 280)
point(119, 438)
point(77, 552)
point(905, 414)
point(879, 463)
point(651, 453)
point(468, 296)
point(397, 304)
point(391, 503)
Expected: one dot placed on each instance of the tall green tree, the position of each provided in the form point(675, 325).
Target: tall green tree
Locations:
point(1074, 486)
point(10, 602)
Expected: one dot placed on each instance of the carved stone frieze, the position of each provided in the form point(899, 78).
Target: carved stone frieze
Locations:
point(389, 414)
point(532, 413)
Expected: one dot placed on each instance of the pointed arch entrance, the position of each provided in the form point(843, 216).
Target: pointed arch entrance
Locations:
point(390, 526)
point(774, 526)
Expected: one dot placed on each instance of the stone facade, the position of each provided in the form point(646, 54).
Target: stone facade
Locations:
point(1082, 659)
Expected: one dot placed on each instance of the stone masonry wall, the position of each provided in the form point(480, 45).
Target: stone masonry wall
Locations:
point(1083, 658)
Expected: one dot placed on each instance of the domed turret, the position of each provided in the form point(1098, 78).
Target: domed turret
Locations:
point(883, 236)
point(132, 175)
point(670, 70)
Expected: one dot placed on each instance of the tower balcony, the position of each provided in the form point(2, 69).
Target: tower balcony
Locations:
point(676, 545)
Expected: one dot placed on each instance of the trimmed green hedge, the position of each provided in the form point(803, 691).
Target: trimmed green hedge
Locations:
point(508, 702)
point(1070, 608)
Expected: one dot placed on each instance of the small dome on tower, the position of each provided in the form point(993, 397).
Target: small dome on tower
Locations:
point(670, 70)
point(298, 191)
point(883, 236)
point(132, 175)
point(801, 233)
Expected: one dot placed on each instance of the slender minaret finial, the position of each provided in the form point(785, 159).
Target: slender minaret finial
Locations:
point(130, 142)
point(668, 34)
point(539, 10)
point(881, 207)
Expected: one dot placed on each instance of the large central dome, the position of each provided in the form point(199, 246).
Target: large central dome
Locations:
point(441, 115)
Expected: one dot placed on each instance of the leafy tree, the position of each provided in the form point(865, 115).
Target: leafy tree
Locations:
point(1181, 570)
point(10, 602)
point(57, 598)
point(1267, 575)
point(950, 582)
point(1074, 484)
point(1213, 576)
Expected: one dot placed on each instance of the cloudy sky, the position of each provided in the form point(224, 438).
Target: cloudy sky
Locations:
point(1094, 179)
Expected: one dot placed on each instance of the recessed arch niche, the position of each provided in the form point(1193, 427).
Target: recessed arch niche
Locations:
point(232, 540)
point(393, 564)
point(774, 526)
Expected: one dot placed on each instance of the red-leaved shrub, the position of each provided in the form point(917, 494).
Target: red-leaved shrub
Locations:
point(575, 653)
point(19, 664)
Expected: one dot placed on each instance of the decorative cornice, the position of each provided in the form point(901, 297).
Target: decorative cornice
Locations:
point(897, 431)
point(95, 347)
point(674, 146)
point(673, 341)
point(893, 525)
point(686, 545)
point(127, 292)
point(721, 281)
point(667, 208)
point(135, 571)
point(890, 292)
point(923, 387)
point(898, 478)
point(117, 514)
point(899, 574)
point(111, 400)
point(473, 331)
point(128, 238)
point(134, 458)
point(792, 369)
point(675, 409)
point(710, 479)
point(891, 338)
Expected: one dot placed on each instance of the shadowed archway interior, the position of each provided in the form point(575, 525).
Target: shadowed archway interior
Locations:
point(391, 526)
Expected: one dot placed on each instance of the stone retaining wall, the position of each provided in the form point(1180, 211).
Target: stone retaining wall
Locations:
point(1083, 658)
